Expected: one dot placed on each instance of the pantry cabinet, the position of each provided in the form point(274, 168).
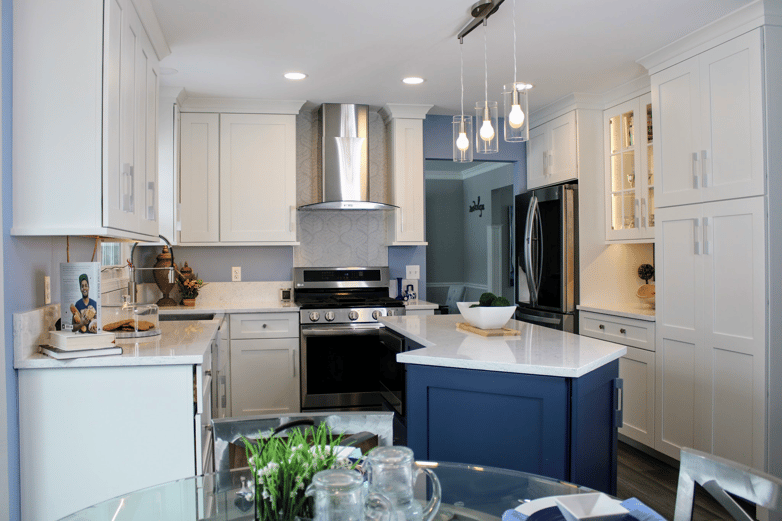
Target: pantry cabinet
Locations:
point(551, 152)
point(711, 329)
point(238, 179)
point(85, 145)
point(264, 363)
point(708, 114)
point(629, 171)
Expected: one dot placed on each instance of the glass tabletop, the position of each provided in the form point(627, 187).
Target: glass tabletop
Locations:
point(469, 492)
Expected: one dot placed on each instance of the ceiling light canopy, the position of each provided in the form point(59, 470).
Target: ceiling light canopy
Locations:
point(413, 80)
point(295, 75)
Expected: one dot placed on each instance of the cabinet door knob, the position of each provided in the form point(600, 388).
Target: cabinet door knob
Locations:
point(264, 326)
point(601, 326)
point(623, 331)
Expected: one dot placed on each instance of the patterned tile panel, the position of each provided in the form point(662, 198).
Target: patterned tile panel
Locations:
point(341, 238)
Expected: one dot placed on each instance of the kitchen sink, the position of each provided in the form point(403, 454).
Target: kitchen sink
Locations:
point(164, 317)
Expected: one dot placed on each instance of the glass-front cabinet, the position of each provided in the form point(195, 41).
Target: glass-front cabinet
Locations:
point(629, 171)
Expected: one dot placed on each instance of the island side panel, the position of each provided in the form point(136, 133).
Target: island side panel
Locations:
point(593, 444)
point(506, 420)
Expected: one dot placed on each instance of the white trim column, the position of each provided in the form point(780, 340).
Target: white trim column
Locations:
point(5, 500)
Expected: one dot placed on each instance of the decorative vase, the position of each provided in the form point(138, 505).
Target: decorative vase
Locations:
point(188, 301)
point(163, 277)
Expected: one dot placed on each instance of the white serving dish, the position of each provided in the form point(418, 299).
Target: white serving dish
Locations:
point(486, 317)
point(591, 507)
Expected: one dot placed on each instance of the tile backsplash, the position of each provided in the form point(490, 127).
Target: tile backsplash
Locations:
point(341, 238)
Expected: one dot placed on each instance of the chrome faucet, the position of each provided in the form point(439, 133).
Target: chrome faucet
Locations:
point(132, 284)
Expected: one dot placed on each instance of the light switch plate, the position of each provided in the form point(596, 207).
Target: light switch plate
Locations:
point(236, 274)
point(413, 272)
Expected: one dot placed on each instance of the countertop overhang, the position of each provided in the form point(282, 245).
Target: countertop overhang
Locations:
point(536, 350)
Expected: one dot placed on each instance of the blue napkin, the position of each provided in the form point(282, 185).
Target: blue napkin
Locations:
point(637, 509)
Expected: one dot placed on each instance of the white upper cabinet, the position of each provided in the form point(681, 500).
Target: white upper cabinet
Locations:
point(85, 120)
point(407, 224)
point(551, 152)
point(629, 165)
point(200, 178)
point(708, 114)
point(238, 179)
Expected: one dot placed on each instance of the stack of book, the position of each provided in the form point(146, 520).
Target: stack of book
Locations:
point(66, 344)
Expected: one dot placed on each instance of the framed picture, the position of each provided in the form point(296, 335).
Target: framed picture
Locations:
point(80, 296)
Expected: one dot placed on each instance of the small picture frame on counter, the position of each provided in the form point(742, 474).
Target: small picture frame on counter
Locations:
point(80, 296)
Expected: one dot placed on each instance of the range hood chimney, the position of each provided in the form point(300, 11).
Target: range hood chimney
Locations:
point(345, 159)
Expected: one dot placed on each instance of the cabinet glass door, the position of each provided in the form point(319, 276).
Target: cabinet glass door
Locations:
point(648, 200)
point(622, 164)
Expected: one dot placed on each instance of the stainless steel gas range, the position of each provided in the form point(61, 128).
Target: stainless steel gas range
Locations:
point(340, 334)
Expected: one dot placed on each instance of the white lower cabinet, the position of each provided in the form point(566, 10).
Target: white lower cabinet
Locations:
point(78, 426)
point(264, 363)
point(636, 368)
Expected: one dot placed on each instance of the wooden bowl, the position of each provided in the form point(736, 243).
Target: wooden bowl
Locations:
point(646, 291)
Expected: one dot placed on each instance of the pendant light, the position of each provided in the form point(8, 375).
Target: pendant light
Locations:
point(515, 100)
point(486, 139)
point(462, 125)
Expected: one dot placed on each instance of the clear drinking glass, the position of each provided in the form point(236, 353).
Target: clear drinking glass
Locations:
point(340, 495)
point(392, 472)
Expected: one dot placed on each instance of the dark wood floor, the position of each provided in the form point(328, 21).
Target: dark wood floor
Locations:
point(654, 483)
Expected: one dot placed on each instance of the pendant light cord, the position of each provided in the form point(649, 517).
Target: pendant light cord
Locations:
point(461, 59)
point(514, 44)
point(485, 67)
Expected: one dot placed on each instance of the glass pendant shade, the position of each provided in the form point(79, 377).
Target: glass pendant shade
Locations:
point(462, 139)
point(486, 128)
point(516, 112)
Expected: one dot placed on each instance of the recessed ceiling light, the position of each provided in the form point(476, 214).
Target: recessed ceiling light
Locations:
point(295, 75)
point(413, 80)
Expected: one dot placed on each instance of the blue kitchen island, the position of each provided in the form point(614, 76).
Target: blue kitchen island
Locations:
point(545, 401)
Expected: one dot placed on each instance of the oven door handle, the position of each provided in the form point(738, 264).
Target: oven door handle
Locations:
point(340, 330)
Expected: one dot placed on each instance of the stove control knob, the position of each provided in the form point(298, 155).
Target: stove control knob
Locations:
point(377, 314)
point(329, 316)
point(353, 315)
point(314, 316)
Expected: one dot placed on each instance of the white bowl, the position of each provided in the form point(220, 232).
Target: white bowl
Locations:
point(486, 317)
point(591, 507)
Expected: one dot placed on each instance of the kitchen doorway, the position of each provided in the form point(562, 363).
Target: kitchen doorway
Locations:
point(469, 220)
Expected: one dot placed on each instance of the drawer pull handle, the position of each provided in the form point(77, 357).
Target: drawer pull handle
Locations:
point(623, 331)
point(601, 326)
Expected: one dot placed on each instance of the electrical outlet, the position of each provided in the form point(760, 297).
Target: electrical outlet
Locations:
point(47, 289)
point(413, 272)
point(236, 274)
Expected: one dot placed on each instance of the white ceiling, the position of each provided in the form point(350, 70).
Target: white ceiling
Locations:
point(357, 51)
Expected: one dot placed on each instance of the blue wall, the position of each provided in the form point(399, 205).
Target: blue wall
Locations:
point(437, 145)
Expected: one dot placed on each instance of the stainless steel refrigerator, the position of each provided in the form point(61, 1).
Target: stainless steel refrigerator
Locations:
point(547, 256)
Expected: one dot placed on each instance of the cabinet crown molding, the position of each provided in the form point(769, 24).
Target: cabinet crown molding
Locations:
point(242, 105)
point(573, 101)
point(151, 25)
point(740, 21)
point(400, 110)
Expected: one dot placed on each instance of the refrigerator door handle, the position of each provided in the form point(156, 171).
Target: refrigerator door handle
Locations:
point(528, 249)
point(539, 274)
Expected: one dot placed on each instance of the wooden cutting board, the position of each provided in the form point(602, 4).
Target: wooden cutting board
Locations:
point(487, 332)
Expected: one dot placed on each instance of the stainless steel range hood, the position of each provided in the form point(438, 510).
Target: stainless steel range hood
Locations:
point(345, 164)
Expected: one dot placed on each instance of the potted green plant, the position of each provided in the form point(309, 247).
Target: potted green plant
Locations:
point(282, 469)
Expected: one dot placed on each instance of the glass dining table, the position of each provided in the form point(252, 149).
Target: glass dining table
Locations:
point(469, 492)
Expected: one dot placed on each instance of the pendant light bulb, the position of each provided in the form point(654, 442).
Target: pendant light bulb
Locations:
point(462, 143)
point(516, 116)
point(487, 131)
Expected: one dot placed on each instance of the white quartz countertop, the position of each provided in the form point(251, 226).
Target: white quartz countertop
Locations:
point(246, 306)
point(180, 343)
point(629, 310)
point(536, 350)
point(422, 304)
